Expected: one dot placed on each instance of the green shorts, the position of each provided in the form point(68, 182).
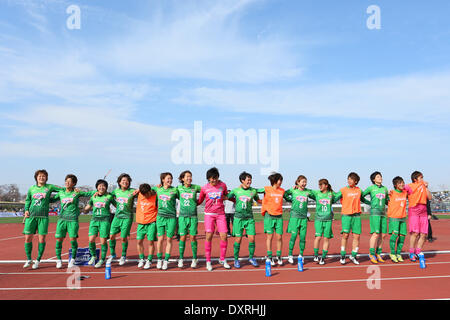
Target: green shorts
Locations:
point(166, 226)
point(240, 224)
point(323, 228)
point(397, 226)
point(272, 223)
point(148, 230)
point(378, 224)
point(100, 227)
point(33, 224)
point(187, 225)
point(121, 225)
point(64, 226)
point(297, 224)
point(351, 223)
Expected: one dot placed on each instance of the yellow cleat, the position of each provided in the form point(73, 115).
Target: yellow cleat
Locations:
point(373, 258)
point(393, 258)
point(380, 259)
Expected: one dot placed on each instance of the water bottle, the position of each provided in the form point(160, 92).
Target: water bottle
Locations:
point(300, 264)
point(108, 270)
point(268, 268)
point(422, 260)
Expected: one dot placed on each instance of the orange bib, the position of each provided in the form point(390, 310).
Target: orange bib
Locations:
point(146, 209)
point(397, 204)
point(419, 195)
point(351, 200)
point(272, 201)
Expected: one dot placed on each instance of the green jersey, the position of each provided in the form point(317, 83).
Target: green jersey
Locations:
point(167, 201)
point(101, 206)
point(324, 201)
point(70, 203)
point(244, 199)
point(188, 199)
point(299, 199)
point(38, 200)
point(124, 203)
point(379, 196)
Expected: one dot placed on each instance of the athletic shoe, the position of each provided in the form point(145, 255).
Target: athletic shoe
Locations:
point(99, 263)
point(180, 263)
point(148, 264)
point(209, 266)
point(412, 257)
point(91, 261)
point(272, 262)
point(72, 263)
point(237, 264)
point(291, 259)
point(58, 264)
point(279, 261)
point(316, 258)
point(379, 258)
point(27, 263)
point(373, 258)
point(122, 260)
point(342, 261)
point(353, 259)
point(35, 264)
point(322, 260)
point(158, 264)
point(164, 265)
point(141, 263)
point(225, 264)
point(393, 258)
point(399, 258)
point(194, 263)
point(253, 262)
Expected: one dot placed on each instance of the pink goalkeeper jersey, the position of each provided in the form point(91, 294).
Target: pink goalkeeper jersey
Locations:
point(215, 196)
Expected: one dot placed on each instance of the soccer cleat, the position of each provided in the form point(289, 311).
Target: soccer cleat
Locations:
point(322, 260)
point(164, 265)
point(148, 264)
point(180, 263)
point(141, 263)
point(158, 264)
point(91, 261)
point(99, 264)
point(72, 263)
point(58, 264)
point(27, 263)
point(342, 261)
point(237, 264)
point(122, 260)
point(353, 259)
point(373, 258)
point(225, 264)
point(399, 258)
point(194, 263)
point(272, 262)
point(253, 262)
point(279, 261)
point(209, 266)
point(379, 258)
point(316, 258)
point(412, 257)
point(393, 258)
point(291, 259)
point(36, 264)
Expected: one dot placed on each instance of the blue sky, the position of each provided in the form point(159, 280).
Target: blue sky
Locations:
point(109, 95)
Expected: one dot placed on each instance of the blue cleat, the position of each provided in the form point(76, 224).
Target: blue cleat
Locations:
point(237, 264)
point(253, 262)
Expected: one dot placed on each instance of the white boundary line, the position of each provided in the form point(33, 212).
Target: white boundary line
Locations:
point(228, 284)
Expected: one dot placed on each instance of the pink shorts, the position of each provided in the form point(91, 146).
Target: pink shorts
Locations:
point(418, 219)
point(215, 219)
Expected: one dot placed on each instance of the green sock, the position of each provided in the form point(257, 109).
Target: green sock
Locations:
point(41, 248)
point(167, 256)
point(269, 254)
point(324, 253)
point(92, 250)
point(354, 253)
point(393, 242)
point(237, 248)
point(112, 247)
point(379, 250)
point(251, 249)
point(194, 249)
point(159, 256)
point(124, 248)
point(372, 251)
point(74, 245)
point(141, 256)
point(104, 250)
point(278, 253)
point(343, 253)
point(58, 249)
point(401, 240)
point(28, 249)
point(292, 243)
point(182, 246)
point(150, 257)
point(316, 252)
